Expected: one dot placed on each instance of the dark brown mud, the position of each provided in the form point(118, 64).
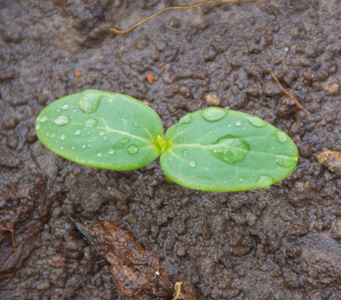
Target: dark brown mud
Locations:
point(281, 242)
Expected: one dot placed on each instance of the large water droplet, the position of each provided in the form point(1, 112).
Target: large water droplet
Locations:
point(281, 136)
point(77, 132)
point(65, 107)
point(89, 101)
point(264, 181)
point(124, 141)
point(62, 137)
point(37, 127)
point(192, 163)
point(111, 151)
point(255, 121)
point(238, 123)
point(62, 120)
point(230, 149)
point(44, 119)
point(90, 123)
point(132, 149)
point(285, 161)
point(185, 119)
point(213, 114)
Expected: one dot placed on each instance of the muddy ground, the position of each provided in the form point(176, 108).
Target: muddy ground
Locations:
point(280, 242)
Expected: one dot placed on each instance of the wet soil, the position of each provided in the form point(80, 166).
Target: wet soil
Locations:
point(280, 242)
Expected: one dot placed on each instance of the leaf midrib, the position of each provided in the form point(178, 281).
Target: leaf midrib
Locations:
point(169, 148)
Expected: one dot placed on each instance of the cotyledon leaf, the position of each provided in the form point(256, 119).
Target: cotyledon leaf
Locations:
point(101, 129)
point(223, 150)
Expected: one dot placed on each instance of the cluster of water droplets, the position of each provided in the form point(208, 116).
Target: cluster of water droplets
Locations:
point(88, 103)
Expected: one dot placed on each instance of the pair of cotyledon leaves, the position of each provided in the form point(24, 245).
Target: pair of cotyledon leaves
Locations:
point(213, 149)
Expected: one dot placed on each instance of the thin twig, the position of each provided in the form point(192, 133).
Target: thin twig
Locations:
point(288, 94)
point(122, 32)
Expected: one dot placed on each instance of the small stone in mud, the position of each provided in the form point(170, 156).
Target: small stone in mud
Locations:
point(331, 160)
point(212, 99)
point(331, 86)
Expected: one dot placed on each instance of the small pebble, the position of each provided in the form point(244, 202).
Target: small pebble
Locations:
point(212, 99)
point(331, 160)
point(78, 74)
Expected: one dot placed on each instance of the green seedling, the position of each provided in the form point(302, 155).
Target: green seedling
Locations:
point(213, 149)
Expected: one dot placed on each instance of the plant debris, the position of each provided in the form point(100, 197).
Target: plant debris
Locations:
point(122, 32)
point(23, 212)
point(136, 271)
point(289, 95)
point(150, 78)
point(331, 160)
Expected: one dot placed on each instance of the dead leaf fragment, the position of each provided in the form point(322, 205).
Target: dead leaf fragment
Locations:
point(150, 78)
point(331, 160)
point(177, 290)
point(136, 271)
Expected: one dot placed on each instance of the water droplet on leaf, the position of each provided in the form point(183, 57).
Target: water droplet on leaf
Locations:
point(99, 154)
point(44, 119)
point(185, 119)
point(105, 138)
point(62, 137)
point(90, 123)
point(285, 161)
point(65, 107)
point(77, 132)
point(37, 127)
point(230, 149)
point(256, 121)
point(213, 114)
point(100, 132)
point(83, 146)
point(133, 149)
point(53, 135)
point(135, 124)
point(111, 151)
point(281, 136)
point(89, 101)
point(124, 141)
point(264, 181)
point(238, 123)
point(62, 120)
point(192, 163)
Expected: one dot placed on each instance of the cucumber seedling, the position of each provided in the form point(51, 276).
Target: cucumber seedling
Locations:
point(212, 150)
